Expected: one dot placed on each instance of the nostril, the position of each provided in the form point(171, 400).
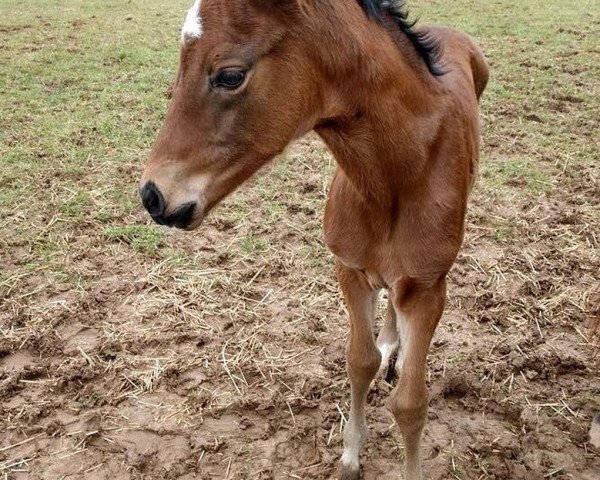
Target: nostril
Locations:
point(152, 199)
point(182, 216)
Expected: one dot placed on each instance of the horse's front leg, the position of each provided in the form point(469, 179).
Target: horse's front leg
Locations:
point(363, 360)
point(419, 308)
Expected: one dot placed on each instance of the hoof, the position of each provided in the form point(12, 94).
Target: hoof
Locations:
point(346, 473)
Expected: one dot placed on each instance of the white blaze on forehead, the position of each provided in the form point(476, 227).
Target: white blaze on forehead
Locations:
point(192, 27)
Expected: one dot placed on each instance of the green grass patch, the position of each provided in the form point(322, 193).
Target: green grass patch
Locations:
point(252, 244)
point(142, 238)
point(521, 173)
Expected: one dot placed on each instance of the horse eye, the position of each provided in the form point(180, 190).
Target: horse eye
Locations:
point(228, 79)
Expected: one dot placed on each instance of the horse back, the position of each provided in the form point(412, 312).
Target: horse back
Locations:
point(461, 58)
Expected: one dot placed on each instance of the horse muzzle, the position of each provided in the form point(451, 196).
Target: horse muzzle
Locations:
point(154, 202)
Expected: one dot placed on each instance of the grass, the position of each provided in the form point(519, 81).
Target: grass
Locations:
point(211, 337)
point(145, 239)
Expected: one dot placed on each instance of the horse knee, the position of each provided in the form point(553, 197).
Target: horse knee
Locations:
point(410, 411)
point(364, 362)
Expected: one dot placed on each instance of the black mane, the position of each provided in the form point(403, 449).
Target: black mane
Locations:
point(427, 47)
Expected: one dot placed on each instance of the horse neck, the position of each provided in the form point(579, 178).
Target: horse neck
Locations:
point(383, 133)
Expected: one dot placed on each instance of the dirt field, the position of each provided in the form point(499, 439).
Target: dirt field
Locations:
point(132, 352)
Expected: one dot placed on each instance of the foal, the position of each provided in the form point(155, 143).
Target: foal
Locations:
point(401, 118)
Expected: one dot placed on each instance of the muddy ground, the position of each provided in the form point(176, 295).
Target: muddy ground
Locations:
point(129, 352)
point(233, 367)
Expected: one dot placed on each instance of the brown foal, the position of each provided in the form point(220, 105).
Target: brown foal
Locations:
point(396, 105)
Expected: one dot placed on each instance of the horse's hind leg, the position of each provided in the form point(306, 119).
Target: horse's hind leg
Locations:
point(363, 360)
point(419, 310)
point(388, 338)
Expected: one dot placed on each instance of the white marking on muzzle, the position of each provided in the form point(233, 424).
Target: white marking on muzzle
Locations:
point(192, 26)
